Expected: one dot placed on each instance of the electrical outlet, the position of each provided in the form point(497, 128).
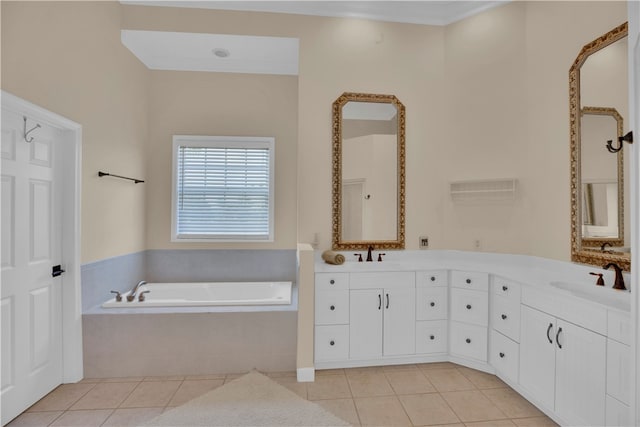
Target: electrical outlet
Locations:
point(476, 244)
point(423, 242)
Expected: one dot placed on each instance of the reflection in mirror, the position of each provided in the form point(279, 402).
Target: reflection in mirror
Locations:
point(598, 104)
point(368, 172)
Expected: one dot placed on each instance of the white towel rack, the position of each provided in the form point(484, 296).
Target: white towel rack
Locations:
point(483, 190)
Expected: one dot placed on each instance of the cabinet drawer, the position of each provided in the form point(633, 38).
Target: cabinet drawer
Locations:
point(469, 306)
point(619, 327)
point(618, 368)
point(431, 303)
point(432, 278)
point(507, 289)
point(332, 343)
point(505, 317)
point(431, 337)
point(328, 281)
point(332, 307)
point(470, 280)
point(383, 280)
point(618, 413)
point(468, 341)
point(504, 355)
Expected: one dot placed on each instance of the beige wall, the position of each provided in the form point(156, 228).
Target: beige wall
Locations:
point(196, 103)
point(67, 58)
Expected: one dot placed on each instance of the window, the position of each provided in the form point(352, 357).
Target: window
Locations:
point(222, 188)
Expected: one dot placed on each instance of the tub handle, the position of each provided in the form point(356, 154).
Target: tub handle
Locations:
point(118, 295)
point(141, 295)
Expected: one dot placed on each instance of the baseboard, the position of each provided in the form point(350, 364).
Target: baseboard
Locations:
point(306, 375)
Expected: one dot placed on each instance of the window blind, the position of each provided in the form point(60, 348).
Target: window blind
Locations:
point(223, 192)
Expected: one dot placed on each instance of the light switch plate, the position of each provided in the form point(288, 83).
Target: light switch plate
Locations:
point(423, 242)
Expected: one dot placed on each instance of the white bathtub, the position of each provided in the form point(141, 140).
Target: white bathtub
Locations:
point(200, 294)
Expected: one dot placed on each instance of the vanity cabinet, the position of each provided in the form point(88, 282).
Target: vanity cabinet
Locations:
point(432, 311)
point(563, 366)
point(504, 320)
point(469, 315)
point(618, 368)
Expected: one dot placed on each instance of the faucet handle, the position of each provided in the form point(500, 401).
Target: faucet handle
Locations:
point(118, 295)
point(359, 257)
point(380, 255)
point(600, 281)
point(141, 295)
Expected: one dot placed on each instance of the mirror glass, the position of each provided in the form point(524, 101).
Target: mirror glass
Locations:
point(599, 102)
point(368, 175)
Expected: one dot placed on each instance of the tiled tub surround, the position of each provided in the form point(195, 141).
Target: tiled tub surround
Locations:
point(566, 353)
point(187, 340)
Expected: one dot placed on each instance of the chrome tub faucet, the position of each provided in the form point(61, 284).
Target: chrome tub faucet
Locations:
point(132, 294)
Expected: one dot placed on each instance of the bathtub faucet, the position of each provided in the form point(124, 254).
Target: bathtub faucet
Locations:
point(132, 294)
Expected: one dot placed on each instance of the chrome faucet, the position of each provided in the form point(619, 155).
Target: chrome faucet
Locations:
point(132, 294)
point(619, 281)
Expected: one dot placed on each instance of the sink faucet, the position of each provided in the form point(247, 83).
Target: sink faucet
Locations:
point(619, 282)
point(369, 257)
point(603, 247)
point(132, 294)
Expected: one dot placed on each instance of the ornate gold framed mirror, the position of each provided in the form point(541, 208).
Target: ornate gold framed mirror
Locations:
point(598, 103)
point(368, 184)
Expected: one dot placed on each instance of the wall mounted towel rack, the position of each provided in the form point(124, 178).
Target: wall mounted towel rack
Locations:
point(135, 181)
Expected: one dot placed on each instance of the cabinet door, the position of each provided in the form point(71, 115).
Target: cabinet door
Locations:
point(399, 321)
point(580, 375)
point(365, 325)
point(537, 355)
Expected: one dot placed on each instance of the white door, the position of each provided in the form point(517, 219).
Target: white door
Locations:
point(352, 209)
point(399, 335)
point(30, 302)
point(581, 363)
point(537, 355)
point(365, 324)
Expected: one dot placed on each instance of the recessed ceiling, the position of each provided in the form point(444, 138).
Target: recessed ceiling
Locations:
point(414, 12)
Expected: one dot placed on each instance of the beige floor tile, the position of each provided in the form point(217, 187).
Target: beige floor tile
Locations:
point(62, 397)
point(231, 377)
point(131, 416)
point(366, 369)
point(448, 380)
point(292, 384)
point(472, 405)
point(323, 372)
point(342, 408)
point(409, 366)
point(191, 389)
point(122, 380)
point(494, 423)
point(437, 365)
point(281, 374)
point(105, 396)
point(511, 403)
point(34, 419)
point(381, 411)
point(328, 387)
point(448, 425)
point(85, 418)
point(369, 384)
point(151, 394)
point(91, 380)
point(535, 422)
point(428, 409)
point(482, 380)
point(409, 381)
point(165, 378)
point(206, 377)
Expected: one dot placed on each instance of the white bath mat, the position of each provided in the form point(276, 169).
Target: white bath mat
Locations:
point(251, 400)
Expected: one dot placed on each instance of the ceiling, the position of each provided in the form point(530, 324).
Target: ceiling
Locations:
point(162, 50)
point(414, 12)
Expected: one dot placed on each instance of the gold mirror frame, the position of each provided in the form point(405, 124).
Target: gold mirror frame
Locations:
point(337, 242)
point(578, 251)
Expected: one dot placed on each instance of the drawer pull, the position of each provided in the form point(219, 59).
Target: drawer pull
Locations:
point(468, 281)
point(333, 307)
point(432, 304)
point(468, 306)
point(432, 337)
point(468, 340)
point(379, 301)
point(501, 355)
point(548, 329)
point(332, 342)
point(505, 288)
point(332, 282)
point(433, 278)
point(557, 338)
point(387, 301)
point(504, 317)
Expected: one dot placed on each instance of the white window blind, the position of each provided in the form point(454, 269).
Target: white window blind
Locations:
point(223, 188)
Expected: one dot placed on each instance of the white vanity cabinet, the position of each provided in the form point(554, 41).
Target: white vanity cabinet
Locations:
point(504, 319)
point(432, 310)
point(469, 315)
point(618, 368)
point(563, 366)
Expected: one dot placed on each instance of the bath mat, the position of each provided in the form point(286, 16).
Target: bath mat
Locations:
point(251, 400)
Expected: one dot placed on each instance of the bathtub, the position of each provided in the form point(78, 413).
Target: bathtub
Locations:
point(199, 294)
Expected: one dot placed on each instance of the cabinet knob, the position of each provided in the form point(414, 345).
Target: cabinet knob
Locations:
point(505, 288)
point(332, 342)
point(468, 281)
point(332, 282)
point(468, 306)
point(432, 337)
point(504, 317)
point(433, 278)
point(333, 307)
point(501, 354)
point(468, 340)
point(432, 304)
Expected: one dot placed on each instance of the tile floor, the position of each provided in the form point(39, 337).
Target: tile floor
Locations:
point(408, 395)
